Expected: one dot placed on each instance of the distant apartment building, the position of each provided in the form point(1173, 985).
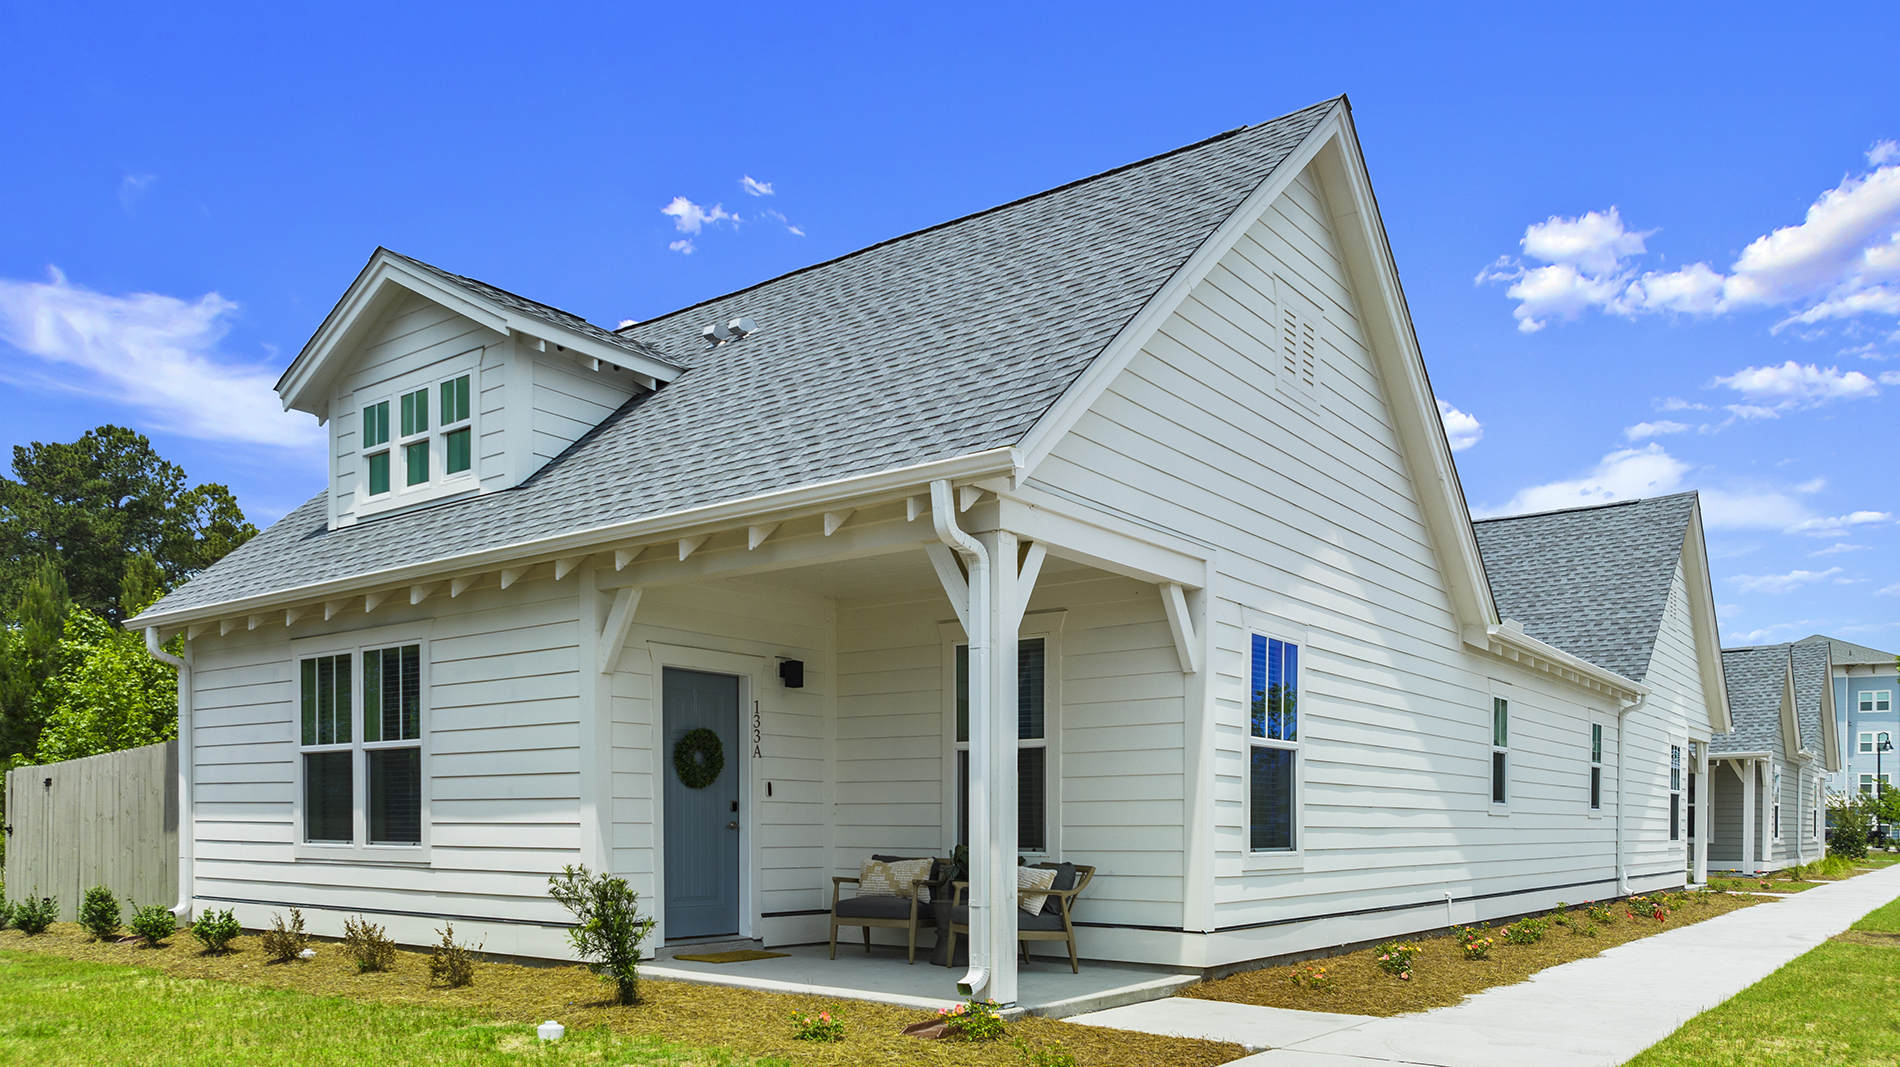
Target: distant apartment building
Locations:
point(1865, 684)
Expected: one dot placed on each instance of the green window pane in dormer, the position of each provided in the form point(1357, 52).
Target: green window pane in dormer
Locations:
point(379, 473)
point(455, 400)
point(455, 451)
point(375, 424)
point(415, 412)
point(417, 456)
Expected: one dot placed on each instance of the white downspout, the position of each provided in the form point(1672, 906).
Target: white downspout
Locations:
point(983, 861)
point(1622, 793)
point(186, 826)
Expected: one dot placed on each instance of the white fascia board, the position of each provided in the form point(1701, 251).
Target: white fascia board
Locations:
point(1830, 730)
point(859, 491)
point(1790, 715)
point(303, 387)
point(1519, 647)
point(1708, 636)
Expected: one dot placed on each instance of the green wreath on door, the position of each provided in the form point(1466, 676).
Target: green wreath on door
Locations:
point(698, 758)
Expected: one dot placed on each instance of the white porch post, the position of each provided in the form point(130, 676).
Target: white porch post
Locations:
point(1746, 768)
point(999, 778)
point(1705, 802)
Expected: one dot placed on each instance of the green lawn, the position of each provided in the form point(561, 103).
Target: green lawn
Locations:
point(1837, 1004)
point(71, 1012)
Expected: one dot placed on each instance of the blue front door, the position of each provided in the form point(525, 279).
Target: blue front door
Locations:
point(702, 825)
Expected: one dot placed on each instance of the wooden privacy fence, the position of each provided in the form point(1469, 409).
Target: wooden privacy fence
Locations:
point(107, 820)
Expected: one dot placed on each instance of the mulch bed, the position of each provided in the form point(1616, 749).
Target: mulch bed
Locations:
point(1441, 976)
point(749, 1022)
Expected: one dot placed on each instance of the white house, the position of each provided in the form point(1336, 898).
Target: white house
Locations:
point(1771, 812)
point(1130, 497)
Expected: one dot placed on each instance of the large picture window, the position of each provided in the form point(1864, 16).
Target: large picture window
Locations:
point(1032, 745)
point(362, 775)
point(1273, 748)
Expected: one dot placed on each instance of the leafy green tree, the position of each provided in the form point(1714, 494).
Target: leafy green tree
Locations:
point(100, 501)
point(109, 694)
point(29, 658)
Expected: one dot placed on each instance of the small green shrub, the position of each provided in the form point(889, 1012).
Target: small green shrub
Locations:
point(975, 1020)
point(99, 913)
point(1562, 915)
point(1474, 943)
point(452, 965)
point(1598, 913)
point(817, 1025)
point(1311, 976)
point(34, 914)
point(215, 930)
point(364, 942)
point(1583, 929)
point(283, 943)
point(1395, 958)
point(610, 929)
point(6, 912)
point(154, 923)
point(1526, 931)
point(1053, 1056)
point(1853, 821)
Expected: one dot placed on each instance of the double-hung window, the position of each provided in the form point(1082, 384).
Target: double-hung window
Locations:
point(1500, 750)
point(1273, 745)
point(1032, 745)
point(415, 437)
point(376, 447)
point(361, 738)
point(433, 442)
point(1596, 766)
point(457, 434)
point(1873, 785)
point(1876, 702)
point(1675, 792)
point(1872, 741)
point(1774, 817)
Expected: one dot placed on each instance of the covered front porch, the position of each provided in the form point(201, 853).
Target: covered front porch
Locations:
point(876, 714)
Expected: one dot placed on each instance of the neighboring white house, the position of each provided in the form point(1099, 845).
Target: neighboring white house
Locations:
point(1165, 432)
point(1771, 811)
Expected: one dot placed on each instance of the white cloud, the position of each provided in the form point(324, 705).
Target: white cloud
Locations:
point(1781, 583)
point(1841, 261)
point(689, 217)
point(1838, 525)
point(1800, 381)
point(1678, 404)
point(755, 188)
point(1621, 475)
point(1890, 377)
point(1892, 590)
point(1751, 509)
point(1659, 428)
point(1461, 430)
point(132, 188)
point(154, 353)
point(683, 246)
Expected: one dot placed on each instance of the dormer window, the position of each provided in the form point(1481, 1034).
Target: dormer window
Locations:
point(419, 440)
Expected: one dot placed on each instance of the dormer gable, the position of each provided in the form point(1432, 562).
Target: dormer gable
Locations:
point(436, 386)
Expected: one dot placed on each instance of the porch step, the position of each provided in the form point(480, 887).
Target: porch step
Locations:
point(696, 946)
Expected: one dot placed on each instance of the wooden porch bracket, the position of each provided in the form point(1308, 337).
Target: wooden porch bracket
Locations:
point(619, 621)
point(1182, 626)
point(624, 556)
point(755, 535)
point(955, 585)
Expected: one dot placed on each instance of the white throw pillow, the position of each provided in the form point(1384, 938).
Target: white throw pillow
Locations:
point(1032, 878)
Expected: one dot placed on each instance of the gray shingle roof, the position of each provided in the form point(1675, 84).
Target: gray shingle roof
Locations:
point(937, 344)
point(1813, 669)
point(1591, 581)
point(1757, 678)
point(1848, 652)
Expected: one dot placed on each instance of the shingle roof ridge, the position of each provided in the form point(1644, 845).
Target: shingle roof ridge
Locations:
point(1032, 197)
point(1587, 507)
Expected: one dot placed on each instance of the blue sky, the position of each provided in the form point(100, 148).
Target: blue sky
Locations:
point(1647, 249)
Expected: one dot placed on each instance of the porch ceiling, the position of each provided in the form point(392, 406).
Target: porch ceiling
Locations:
point(878, 575)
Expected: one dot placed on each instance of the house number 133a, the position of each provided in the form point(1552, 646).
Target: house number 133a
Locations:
point(758, 733)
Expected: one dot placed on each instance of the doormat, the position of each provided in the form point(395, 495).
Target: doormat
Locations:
point(740, 956)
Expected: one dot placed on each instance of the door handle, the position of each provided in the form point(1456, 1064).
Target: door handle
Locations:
point(733, 825)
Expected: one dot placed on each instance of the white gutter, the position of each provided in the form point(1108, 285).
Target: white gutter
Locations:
point(1622, 746)
point(896, 482)
point(186, 825)
point(983, 861)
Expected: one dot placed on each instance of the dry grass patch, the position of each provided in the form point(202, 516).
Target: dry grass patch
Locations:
point(1441, 976)
point(745, 1021)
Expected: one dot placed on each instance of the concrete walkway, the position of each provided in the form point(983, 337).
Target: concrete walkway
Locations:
point(1596, 1012)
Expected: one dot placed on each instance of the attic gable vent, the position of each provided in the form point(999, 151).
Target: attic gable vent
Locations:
point(1299, 343)
point(736, 330)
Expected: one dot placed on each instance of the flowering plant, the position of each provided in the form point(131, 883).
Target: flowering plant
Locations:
point(818, 1025)
point(1395, 959)
point(977, 1020)
point(1312, 976)
point(1476, 946)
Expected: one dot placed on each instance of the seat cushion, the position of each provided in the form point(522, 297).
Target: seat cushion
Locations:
point(881, 908)
point(1065, 875)
point(1050, 919)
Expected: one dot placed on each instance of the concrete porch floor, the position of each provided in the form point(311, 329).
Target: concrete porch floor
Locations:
point(1044, 987)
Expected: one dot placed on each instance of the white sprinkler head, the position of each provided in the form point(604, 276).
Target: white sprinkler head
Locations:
point(307, 954)
point(550, 1031)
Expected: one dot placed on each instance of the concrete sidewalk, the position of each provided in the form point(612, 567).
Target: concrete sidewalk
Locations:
point(1596, 1012)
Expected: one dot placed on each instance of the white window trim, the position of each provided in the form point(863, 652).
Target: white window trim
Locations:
point(1678, 771)
point(1872, 698)
point(441, 484)
point(1275, 628)
point(1864, 744)
point(1774, 809)
point(357, 642)
point(1046, 625)
point(1596, 764)
point(1500, 690)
